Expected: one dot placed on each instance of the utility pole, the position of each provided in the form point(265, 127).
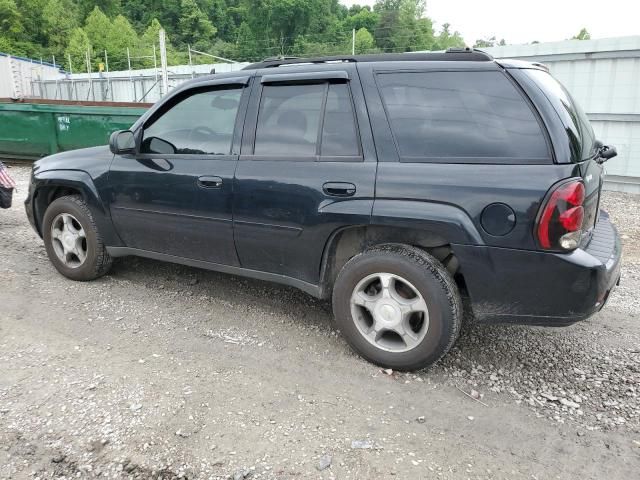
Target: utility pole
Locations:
point(71, 92)
point(353, 41)
point(131, 82)
point(106, 64)
point(163, 62)
point(88, 60)
point(155, 63)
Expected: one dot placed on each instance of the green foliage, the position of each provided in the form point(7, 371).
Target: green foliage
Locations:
point(60, 19)
point(582, 35)
point(364, 42)
point(446, 39)
point(10, 20)
point(121, 36)
point(194, 27)
point(98, 30)
point(79, 45)
point(489, 42)
point(244, 30)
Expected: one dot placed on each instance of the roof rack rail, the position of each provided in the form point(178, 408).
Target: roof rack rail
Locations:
point(452, 54)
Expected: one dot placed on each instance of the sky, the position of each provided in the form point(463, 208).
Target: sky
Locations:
point(541, 20)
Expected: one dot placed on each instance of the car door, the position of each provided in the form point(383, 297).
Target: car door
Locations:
point(307, 169)
point(174, 196)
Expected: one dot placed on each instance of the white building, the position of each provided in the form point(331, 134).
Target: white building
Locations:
point(16, 74)
point(604, 77)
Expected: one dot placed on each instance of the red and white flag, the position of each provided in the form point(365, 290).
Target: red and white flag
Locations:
point(5, 179)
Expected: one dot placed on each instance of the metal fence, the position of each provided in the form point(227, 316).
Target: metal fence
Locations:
point(123, 86)
point(604, 76)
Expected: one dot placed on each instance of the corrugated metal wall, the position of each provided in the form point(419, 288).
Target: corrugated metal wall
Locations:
point(26, 70)
point(604, 76)
point(124, 86)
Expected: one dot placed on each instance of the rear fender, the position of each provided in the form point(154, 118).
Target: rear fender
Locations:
point(447, 221)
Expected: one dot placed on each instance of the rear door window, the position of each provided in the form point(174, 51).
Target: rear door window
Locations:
point(461, 117)
point(307, 120)
point(289, 119)
point(339, 136)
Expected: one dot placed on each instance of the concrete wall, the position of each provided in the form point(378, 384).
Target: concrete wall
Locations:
point(604, 77)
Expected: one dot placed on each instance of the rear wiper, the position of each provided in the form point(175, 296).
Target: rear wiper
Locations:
point(605, 152)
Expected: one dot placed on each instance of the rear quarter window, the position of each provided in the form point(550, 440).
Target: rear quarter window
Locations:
point(465, 117)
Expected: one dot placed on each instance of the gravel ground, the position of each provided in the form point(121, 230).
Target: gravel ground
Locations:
point(163, 371)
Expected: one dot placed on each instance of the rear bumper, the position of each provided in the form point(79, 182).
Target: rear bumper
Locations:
point(541, 288)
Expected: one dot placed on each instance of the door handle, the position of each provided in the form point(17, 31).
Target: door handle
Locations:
point(339, 189)
point(210, 182)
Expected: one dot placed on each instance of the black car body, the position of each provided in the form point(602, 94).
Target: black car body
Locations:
point(489, 166)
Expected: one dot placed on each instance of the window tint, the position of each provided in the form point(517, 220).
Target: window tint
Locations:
point(580, 132)
point(289, 119)
point(202, 123)
point(460, 114)
point(339, 136)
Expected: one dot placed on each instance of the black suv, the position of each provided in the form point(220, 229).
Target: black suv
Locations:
point(392, 184)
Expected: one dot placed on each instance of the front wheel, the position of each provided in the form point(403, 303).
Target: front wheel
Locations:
point(72, 240)
point(397, 306)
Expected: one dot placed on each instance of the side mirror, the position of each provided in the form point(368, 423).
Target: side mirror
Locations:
point(121, 142)
point(608, 153)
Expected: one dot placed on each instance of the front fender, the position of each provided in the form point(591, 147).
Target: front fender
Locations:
point(46, 184)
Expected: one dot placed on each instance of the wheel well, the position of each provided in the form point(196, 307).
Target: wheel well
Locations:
point(347, 243)
point(44, 196)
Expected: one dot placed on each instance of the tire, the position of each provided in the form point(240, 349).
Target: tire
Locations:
point(414, 278)
point(94, 261)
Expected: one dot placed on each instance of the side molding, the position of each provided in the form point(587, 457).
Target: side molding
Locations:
point(309, 288)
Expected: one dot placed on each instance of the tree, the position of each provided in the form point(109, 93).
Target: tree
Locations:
point(121, 36)
point(489, 42)
point(237, 29)
point(79, 44)
point(10, 20)
point(245, 43)
point(32, 20)
point(364, 41)
point(446, 39)
point(193, 25)
point(278, 23)
point(402, 26)
point(109, 7)
point(60, 20)
point(151, 37)
point(363, 18)
point(98, 30)
point(583, 34)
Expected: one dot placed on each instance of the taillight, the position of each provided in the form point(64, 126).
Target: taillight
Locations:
point(560, 221)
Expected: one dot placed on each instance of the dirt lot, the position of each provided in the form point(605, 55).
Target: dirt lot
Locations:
point(163, 371)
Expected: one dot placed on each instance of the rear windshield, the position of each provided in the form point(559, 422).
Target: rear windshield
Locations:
point(581, 136)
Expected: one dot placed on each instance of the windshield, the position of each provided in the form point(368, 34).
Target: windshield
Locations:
point(581, 136)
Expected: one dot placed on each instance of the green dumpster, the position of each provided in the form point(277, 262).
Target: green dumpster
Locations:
point(33, 128)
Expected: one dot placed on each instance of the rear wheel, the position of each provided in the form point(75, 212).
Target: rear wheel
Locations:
point(72, 240)
point(397, 306)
